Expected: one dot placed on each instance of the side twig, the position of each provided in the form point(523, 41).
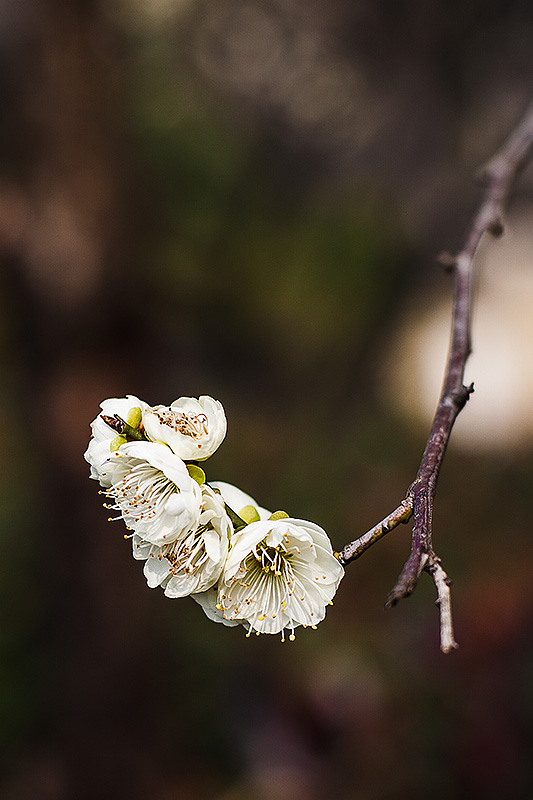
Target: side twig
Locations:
point(498, 176)
point(356, 548)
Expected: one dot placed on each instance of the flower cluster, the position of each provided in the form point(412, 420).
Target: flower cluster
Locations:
point(242, 564)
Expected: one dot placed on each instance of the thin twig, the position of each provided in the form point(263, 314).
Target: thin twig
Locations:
point(356, 548)
point(498, 176)
point(444, 602)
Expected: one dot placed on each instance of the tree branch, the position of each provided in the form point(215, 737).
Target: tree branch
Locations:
point(356, 548)
point(498, 176)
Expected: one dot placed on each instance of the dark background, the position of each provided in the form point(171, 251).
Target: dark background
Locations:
point(245, 199)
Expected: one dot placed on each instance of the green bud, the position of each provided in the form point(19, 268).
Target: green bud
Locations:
point(196, 473)
point(279, 515)
point(117, 442)
point(249, 514)
point(237, 522)
point(134, 417)
point(117, 423)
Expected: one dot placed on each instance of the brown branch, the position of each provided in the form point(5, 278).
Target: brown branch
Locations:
point(498, 176)
point(356, 548)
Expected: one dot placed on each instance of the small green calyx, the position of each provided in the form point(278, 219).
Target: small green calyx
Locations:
point(134, 417)
point(249, 514)
point(196, 473)
point(279, 515)
point(117, 443)
point(237, 521)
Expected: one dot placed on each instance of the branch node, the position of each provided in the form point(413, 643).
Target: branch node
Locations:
point(447, 261)
point(496, 227)
point(459, 397)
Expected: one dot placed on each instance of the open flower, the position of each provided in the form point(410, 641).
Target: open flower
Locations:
point(242, 564)
point(192, 563)
point(193, 429)
point(280, 573)
point(154, 493)
point(104, 440)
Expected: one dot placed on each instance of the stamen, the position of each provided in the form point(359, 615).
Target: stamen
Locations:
point(185, 422)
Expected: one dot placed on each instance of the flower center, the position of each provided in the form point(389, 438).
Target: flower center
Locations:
point(268, 579)
point(186, 422)
point(187, 555)
point(142, 493)
point(274, 561)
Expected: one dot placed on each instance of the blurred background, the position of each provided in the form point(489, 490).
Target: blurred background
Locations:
point(245, 198)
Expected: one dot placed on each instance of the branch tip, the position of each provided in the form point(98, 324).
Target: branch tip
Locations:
point(449, 648)
point(393, 598)
point(444, 603)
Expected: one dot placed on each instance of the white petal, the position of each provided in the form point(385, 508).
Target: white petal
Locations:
point(155, 570)
point(175, 505)
point(162, 459)
point(181, 585)
point(209, 600)
point(237, 499)
point(140, 548)
point(212, 545)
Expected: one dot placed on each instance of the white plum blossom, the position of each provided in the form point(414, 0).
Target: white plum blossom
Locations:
point(192, 563)
point(104, 440)
point(280, 573)
point(210, 540)
point(193, 429)
point(154, 493)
